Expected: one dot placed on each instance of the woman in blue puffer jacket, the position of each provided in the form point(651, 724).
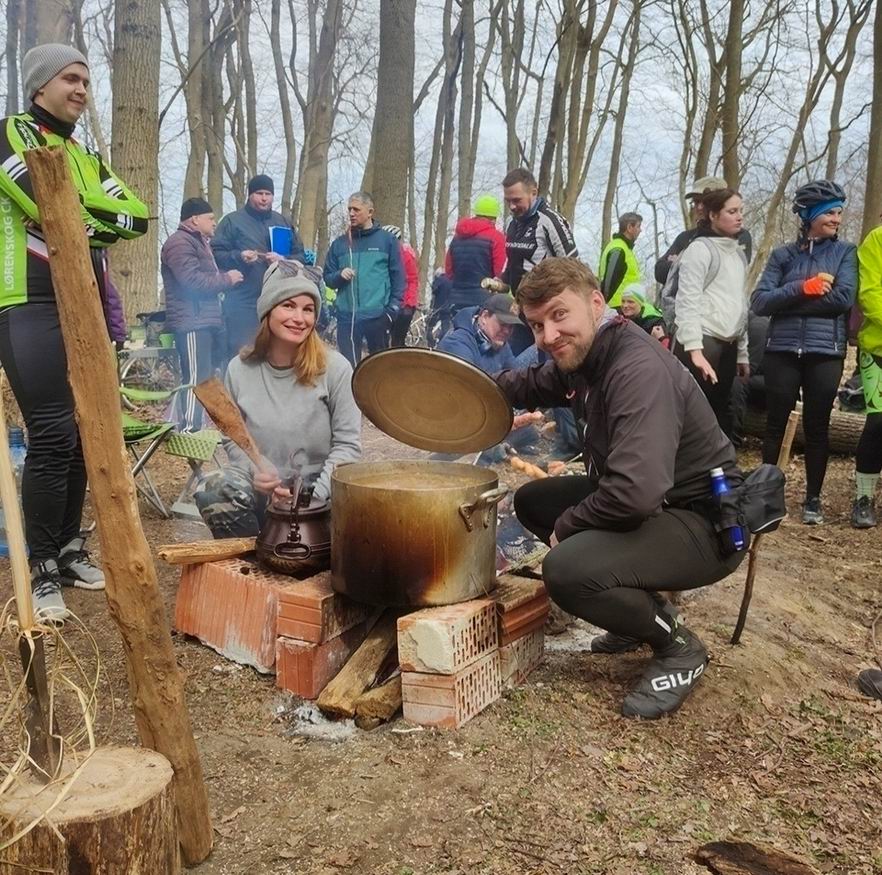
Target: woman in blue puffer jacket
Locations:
point(807, 288)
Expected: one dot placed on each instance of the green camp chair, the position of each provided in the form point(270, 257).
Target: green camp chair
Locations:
point(143, 439)
point(197, 448)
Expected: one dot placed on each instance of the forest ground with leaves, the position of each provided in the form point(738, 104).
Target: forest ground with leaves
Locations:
point(776, 745)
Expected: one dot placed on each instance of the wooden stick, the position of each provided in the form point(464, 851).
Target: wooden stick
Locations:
point(45, 747)
point(381, 703)
point(205, 551)
point(133, 595)
point(227, 417)
point(783, 462)
point(341, 694)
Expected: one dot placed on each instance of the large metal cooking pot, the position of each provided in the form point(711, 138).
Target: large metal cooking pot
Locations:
point(413, 533)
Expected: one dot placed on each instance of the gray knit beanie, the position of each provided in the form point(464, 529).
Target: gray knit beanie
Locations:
point(45, 62)
point(284, 280)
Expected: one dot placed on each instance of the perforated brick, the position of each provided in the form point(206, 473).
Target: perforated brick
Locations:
point(306, 668)
point(445, 640)
point(311, 611)
point(521, 656)
point(523, 620)
point(514, 591)
point(231, 606)
point(449, 701)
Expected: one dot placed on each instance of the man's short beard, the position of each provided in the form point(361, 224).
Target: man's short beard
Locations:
point(575, 358)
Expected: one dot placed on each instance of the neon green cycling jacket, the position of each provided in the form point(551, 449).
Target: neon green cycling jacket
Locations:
point(870, 292)
point(109, 210)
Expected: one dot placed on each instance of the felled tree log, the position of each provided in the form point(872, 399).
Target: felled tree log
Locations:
point(845, 430)
point(119, 816)
point(744, 858)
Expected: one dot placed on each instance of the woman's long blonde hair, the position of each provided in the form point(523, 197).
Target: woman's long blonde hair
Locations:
point(310, 361)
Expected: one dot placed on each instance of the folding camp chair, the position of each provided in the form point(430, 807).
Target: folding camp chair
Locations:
point(143, 439)
point(197, 448)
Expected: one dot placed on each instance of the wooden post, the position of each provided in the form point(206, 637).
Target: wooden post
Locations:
point(45, 749)
point(132, 589)
point(783, 462)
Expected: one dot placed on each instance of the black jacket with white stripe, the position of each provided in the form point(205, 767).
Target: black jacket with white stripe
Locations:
point(541, 233)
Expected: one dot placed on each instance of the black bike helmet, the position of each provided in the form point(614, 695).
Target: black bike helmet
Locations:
point(818, 192)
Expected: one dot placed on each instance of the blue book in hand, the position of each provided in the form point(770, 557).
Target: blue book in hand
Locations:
point(281, 240)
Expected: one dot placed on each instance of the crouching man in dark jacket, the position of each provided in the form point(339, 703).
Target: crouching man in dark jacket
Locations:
point(637, 523)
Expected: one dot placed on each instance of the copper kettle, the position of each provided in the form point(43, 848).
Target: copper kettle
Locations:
point(295, 537)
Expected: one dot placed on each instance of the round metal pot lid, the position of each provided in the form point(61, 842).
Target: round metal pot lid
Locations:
point(431, 400)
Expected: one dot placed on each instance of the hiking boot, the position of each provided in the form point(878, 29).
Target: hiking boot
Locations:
point(77, 569)
point(811, 512)
point(870, 683)
point(863, 513)
point(46, 591)
point(669, 678)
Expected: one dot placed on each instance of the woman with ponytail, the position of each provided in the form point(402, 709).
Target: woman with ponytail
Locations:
point(295, 396)
point(807, 288)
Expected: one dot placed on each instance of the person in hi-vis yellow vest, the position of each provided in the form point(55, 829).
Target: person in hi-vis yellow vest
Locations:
point(618, 264)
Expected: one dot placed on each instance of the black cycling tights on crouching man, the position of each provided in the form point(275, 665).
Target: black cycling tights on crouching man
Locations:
point(609, 577)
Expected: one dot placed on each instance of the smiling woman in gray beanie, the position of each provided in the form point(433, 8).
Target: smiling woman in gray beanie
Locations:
point(295, 396)
point(56, 79)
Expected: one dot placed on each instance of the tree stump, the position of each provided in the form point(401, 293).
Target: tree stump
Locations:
point(118, 817)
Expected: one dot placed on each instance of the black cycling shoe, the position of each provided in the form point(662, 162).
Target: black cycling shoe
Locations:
point(669, 678)
point(870, 683)
point(609, 642)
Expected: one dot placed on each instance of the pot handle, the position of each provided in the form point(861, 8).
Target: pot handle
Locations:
point(486, 502)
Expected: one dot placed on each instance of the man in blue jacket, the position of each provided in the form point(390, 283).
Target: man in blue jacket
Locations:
point(364, 265)
point(480, 336)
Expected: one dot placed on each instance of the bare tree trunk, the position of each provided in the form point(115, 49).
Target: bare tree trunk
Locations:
point(618, 131)
point(94, 120)
point(47, 21)
point(214, 111)
point(393, 122)
point(197, 39)
point(715, 89)
point(873, 191)
point(319, 123)
point(246, 75)
point(136, 58)
point(511, 24)
point(13, 33)
point(284, 108)
point(732, 95)
point(466, 107)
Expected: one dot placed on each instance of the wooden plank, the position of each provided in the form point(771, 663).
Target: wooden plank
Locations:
point(744, 858)
point(134, 600)
point(381, 703)
point(339, 697)
point(195, 552)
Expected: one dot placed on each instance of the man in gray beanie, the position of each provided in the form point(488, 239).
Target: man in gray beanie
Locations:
point(243, 242)
point(56, 80)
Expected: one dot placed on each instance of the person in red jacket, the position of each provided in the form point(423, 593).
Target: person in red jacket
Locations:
point(411, 299)
point(476, 252)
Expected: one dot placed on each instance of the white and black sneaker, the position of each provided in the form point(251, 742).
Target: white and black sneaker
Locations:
point(669, 678)
point(77, 569)
point(49, 604)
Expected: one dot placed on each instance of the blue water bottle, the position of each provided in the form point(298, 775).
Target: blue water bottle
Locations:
point(17, 453)
point(720, 487)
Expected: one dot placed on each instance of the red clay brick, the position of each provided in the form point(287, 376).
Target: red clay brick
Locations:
point(521, 656)
point(311, 611)
point(232, 606)
point(523, 620)
point(306, 668)
point(446, 639)
point(449, 701)
point(514, 591)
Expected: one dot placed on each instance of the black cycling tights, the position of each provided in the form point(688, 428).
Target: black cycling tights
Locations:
point(869, 450)
point(54, 481)
point(612, 578)
point(818, 376)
